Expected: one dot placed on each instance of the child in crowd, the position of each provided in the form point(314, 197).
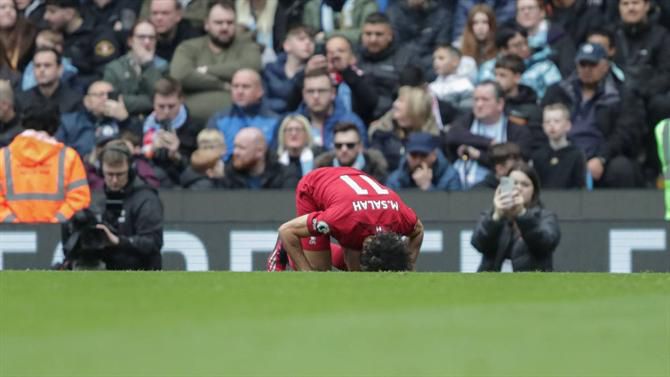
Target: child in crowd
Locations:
point(206, 168)
point(450, 85)
point(559, 164)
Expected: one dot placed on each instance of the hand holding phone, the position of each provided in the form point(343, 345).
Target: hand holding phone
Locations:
point(506, 185)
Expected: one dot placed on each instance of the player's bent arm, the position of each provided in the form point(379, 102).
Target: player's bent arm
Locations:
point(290, 233)
point(415, 240)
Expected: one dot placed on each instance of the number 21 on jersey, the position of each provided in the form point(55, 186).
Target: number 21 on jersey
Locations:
point(379, 190)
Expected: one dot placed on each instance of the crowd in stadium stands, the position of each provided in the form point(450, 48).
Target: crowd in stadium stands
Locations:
point(254, 94)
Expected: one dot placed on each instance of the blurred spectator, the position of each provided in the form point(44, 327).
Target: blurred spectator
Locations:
point(7, 73)
point(355, 89)
point(142, 165)
point(643, 51)
point(10, 123)
point(478, 39)
point(41, 180)
point(78, 129)
point(520, 100)
point(559, 164)
point(576, 17)
point(172, 29)
point(323, 109)
point(411, 112)
point(450, 85)
point(134, 74)
point(544, 36)
point(605, 37)
point(17, 35)
point(205, 65)
point(50, 39)
point(504, 156)
point(48, 72)
point(540, 71)
point(253, 167)
point(280, 78)
point(383, 59)
point(118, 15)
point(193, 12)
point(248, 109)
point(424, 166)
point(32, 10)
point(258, 17)
point(471, 136)
point(421, 23)
point(346, 21)
point(518, 228)
point(90, 46)
point(466, 10)
point(205, 171)
point(296, 149)
point(349, 151)
point(169, 132)
point(207, 167)
point(606, 119)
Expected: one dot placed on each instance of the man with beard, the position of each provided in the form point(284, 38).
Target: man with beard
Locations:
point(253, 167)
point(205, 65)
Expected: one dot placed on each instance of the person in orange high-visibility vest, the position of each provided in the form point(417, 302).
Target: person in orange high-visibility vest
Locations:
point(41, 180)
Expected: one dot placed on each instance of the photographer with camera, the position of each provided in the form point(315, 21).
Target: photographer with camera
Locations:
point(128, 233)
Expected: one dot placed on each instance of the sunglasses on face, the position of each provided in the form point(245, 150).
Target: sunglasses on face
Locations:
point(348, 145)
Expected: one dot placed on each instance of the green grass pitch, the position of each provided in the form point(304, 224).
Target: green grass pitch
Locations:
point(333, 324)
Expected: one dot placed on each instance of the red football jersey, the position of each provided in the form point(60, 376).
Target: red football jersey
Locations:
point(351, 206)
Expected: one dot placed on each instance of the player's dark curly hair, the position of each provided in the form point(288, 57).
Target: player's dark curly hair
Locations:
point(385, 252)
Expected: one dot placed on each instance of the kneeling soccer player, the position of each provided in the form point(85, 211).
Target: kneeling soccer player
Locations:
point(375, 229)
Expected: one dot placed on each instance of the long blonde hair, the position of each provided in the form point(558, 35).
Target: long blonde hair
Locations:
point(419, 110)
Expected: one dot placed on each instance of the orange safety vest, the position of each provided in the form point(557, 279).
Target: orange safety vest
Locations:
point(41, 180)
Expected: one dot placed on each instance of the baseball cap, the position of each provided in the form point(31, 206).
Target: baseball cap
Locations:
point(106, 133)
point(590, 52)
point(421, 142)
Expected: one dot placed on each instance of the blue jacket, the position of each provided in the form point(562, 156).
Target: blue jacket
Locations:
point(340, 114)
point(235, 118)
point(77, 130)
point(445, 177)
point(277, 85)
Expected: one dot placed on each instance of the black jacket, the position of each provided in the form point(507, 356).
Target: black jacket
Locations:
point(139, 225)
point(9, 130)
point(619, 115)
point(422, 28)
point(643, 52)
point(65, 97)
point(384, 68)
point(523, 110)
point(531, 250)
point(165, 48)
point(91, 47)
point(192, 180)
point(560, 169)
point(459, 134)
point(578, 19)
point(275, 176)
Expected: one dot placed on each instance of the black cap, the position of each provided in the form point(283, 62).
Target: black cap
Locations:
point(64, 3)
